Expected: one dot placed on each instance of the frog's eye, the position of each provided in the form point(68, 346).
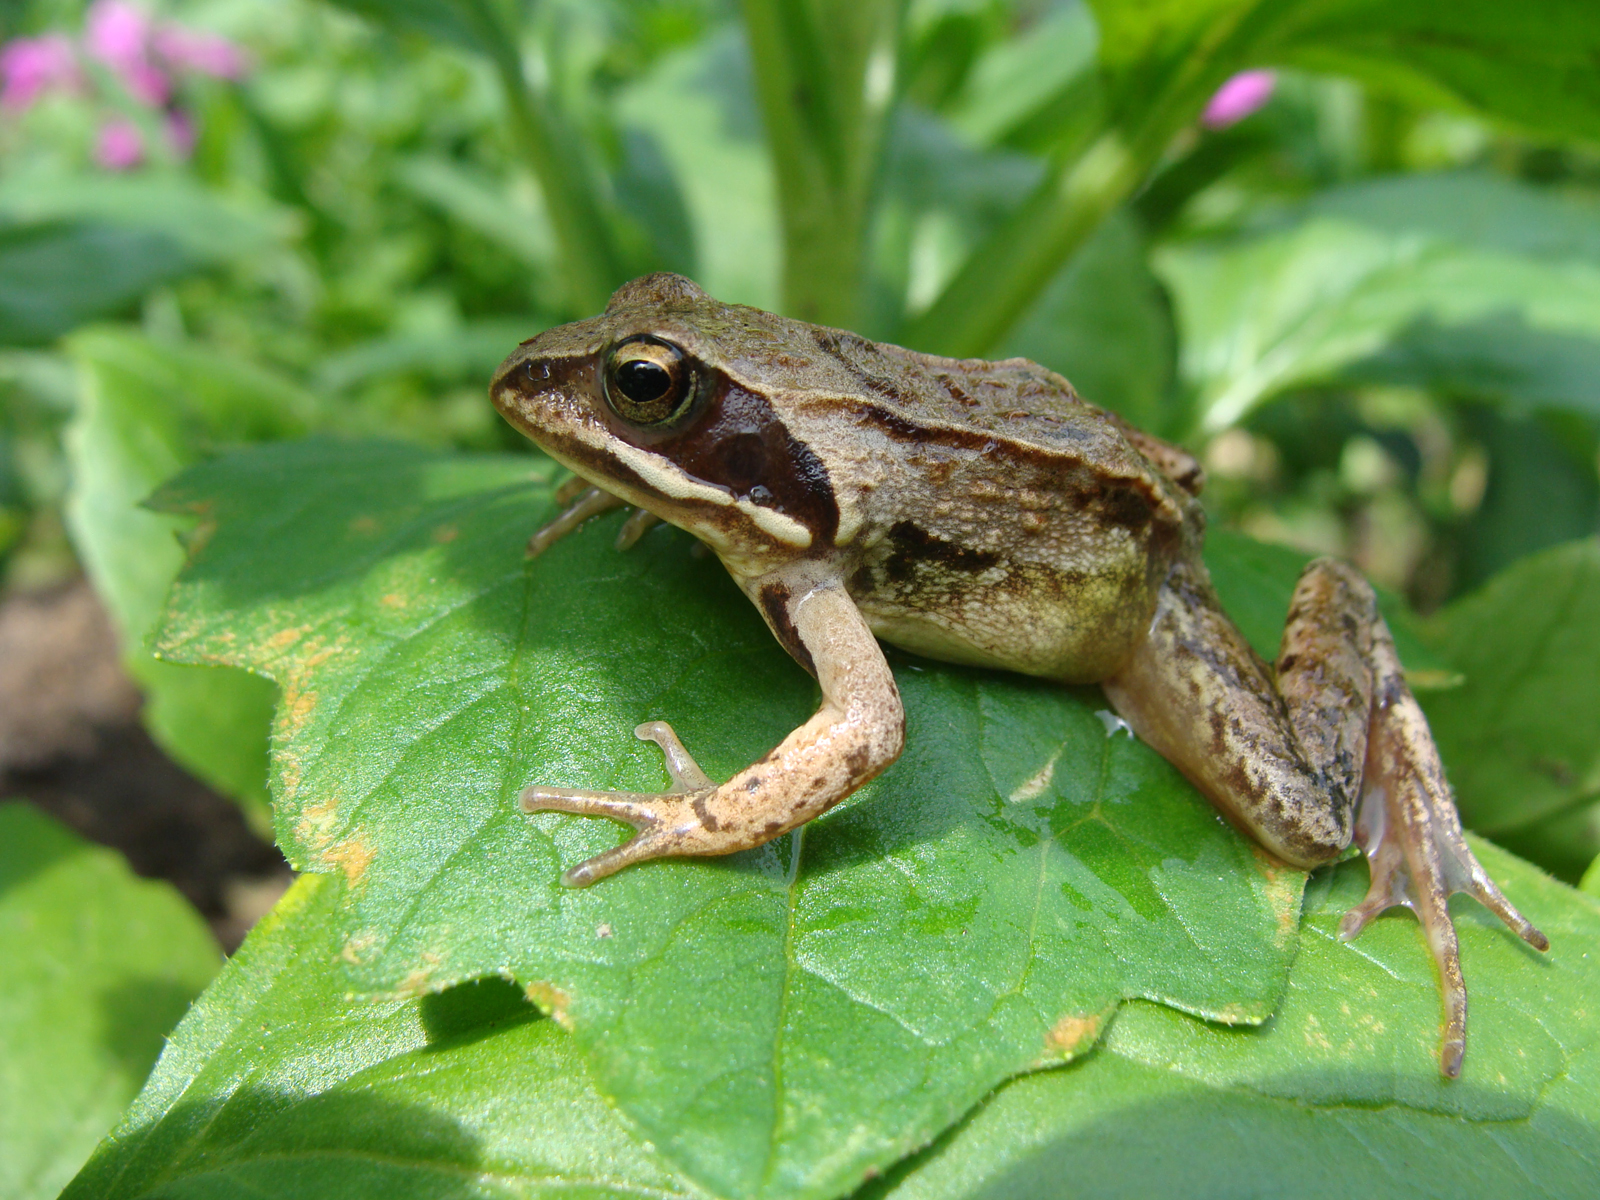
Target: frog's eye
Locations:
point(648, 381)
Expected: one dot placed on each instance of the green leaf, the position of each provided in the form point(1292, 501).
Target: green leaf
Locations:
point(469, 24)
point(775, 1023)
point(1530, 67)
point(482, 202)
point(1522, 734)
point(99, 966)
point(1403, 281)
point(145, 410)
point(204, 224)
point(1334, 1096)
point(276, 1083)
point(1019, 84)
point(76, 247)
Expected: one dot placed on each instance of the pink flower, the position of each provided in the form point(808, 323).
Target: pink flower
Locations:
point(118, 35)
point(119, 145)
point(196, 51)
point(1238, 98)
point(34, 65)
point(145, 57)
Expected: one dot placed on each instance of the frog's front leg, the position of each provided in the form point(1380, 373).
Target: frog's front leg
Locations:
point(1331, 745)
point(857, 732)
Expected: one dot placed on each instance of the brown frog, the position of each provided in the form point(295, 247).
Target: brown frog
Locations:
point(977, 512)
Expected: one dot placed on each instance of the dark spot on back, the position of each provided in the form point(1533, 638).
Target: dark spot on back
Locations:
point(1121, 505)
point(911, 545)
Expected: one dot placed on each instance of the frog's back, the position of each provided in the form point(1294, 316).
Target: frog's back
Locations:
point(994, 517)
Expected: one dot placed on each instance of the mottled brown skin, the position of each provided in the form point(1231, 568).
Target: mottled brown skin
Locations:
point(980, 513)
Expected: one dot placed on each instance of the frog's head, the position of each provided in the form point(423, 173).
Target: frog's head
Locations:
point(660, 400)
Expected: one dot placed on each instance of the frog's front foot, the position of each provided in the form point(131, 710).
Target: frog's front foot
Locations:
point(1408, 827)
point(667, 822)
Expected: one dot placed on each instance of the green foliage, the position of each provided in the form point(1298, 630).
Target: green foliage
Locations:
point(1373, 307)
point(1464, 284)
point(99, 966)
point(144, 411)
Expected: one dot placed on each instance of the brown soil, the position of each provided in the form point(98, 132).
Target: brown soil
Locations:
point(71, 743)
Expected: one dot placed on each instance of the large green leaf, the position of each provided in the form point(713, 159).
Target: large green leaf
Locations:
point(278, 1084)
point(144, 411)
point(99, 966)
point(1409, 281)
point(1325, 1099)
point(1522, 734)
point(778, 1022)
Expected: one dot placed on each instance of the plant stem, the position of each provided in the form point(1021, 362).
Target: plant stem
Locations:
point(589, 261)
point(825, 102)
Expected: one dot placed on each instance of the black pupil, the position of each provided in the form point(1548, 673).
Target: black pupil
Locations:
point(643, 381)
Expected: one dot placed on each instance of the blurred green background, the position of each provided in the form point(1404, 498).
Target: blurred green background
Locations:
point(1347, 251)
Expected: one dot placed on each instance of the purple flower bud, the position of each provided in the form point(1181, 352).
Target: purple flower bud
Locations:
point(119, 146)
point(190, 49)
point(1238, 98)
point(119, 35)
point(32, 66)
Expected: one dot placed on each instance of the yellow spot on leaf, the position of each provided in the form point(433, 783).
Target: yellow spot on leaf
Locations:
point(357, 946)
point(198, 538)
point(552, 1000)
point(287, 637)
point(364, 525)
point(295, 709)
point(353, 855)
point(317, 823)
point(445, 534)
point(414, 983)
point(1284, 885)
point(1073, 1034)
point(1034, 785)
point(394, 600)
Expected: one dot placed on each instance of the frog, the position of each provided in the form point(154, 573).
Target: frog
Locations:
point(979, 513)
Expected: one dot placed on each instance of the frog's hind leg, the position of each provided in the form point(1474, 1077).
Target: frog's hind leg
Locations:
point(1409, 829)
point(1330, 746)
